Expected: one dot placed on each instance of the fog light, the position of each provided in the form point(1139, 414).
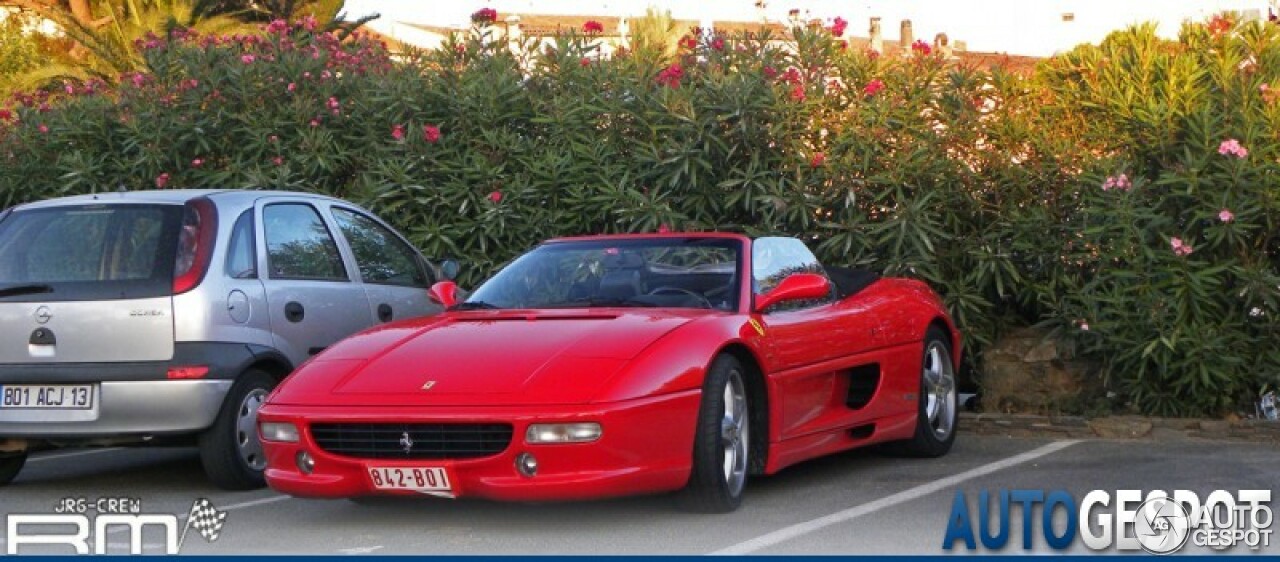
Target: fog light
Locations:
point(282, 432)
point(305, 463)
point(562, 433)
point(526, 465)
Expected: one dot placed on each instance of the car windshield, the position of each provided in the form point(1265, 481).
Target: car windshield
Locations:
point(646, 272)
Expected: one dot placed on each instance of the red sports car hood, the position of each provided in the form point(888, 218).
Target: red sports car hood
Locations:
point(480, 358)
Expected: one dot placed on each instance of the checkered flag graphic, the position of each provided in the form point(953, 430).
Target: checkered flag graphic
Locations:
point(206, 519)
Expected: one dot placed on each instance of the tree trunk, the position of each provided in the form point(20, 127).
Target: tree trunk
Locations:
point(81, 10)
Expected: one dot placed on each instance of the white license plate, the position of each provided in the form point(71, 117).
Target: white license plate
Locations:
point(46, 397)
point(433, 479)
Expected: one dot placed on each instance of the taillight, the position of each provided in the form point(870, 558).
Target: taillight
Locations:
point(195, 244)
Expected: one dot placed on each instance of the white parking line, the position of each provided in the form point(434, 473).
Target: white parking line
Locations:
point(57, 456)
point(800, 529)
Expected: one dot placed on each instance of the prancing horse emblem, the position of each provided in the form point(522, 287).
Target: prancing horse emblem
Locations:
point(427, 385)
point(406, 442)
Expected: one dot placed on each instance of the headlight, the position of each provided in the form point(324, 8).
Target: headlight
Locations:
point(562, 433)
point(284, 432)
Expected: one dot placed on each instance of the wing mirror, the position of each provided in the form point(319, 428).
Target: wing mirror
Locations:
point(449, 269)
point(797, 286)
point(444, 293)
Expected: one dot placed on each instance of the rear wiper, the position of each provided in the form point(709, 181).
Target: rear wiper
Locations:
point(473, 305)
point(32, 289)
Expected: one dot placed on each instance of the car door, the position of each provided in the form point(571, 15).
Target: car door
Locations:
point(394, 275)
point(312, 298)
point(810, 346)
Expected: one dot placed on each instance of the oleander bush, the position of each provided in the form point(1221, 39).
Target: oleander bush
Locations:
point(1125, 193)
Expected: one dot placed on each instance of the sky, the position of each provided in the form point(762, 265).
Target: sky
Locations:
point(1030, 27)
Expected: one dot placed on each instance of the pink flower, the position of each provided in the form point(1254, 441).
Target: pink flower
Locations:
point(5, 114)
point(592, 26)
point(1120, 182)
point(670, 76)
point(43, 128)
point(921, 48)
point(838, 26)
point(273, 138)
point(397, 132)
point(1232, 147)
point(873, 87)
point(69, 88)
point(1084, 326)
point(663, 229)
point(278, 27)
point(334, 105)
point(484, 16)
point(247, 58)
point(162, 180)
point(291, 87)
point(279, 160)
point(1180, 248)
point(770, 72)
point(315, 122)
point(584, 62)
point(309, 22)
point(817, 160)
point(431, 133)
point(718, 43)
point(1269, 95)
point(196, 163)
point(1226, 215)
point(495, 197)
point(797, 93)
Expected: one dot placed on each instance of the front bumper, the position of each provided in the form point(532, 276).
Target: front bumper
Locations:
point(646, 447)
point(125, 408)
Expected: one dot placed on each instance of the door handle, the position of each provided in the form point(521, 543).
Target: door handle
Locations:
point(385, 313)
point(294, 312)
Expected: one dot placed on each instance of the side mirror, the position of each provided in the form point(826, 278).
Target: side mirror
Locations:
point(444, 293)
point(797, 286)
point(449, 269)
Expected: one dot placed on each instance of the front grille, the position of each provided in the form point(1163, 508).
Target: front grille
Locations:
point(425, 440)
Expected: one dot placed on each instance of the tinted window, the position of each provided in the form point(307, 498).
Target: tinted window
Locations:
point(381, 255)
point(299, 245)
point(773, 259)
point(242, 254)
point(91, 252)
point(659, 272)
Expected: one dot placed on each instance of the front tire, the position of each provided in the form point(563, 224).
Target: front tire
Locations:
point(10, 465)
point(939, 408)
point(722, 443)
point(230, 450)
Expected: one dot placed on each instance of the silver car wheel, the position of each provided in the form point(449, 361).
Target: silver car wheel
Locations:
point(940, 390)
point(247, 443)
point(735, 433)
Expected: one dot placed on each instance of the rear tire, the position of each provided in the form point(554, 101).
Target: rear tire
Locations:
point(939, 409)
point(722, 443)
point(10, 466)
point(230, 450)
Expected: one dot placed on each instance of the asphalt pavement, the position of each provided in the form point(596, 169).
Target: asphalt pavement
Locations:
point(860, 502)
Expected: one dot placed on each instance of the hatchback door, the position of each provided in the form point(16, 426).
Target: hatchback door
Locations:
point(395, 276)
point(89, 283)
point(311, 298)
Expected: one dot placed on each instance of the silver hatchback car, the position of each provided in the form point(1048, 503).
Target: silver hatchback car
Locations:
point(167, 316)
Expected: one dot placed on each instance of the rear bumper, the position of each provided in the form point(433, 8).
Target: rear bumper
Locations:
point(123, 408)
point(646, 447)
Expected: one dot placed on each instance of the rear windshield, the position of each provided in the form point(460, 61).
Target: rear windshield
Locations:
point(95, 252)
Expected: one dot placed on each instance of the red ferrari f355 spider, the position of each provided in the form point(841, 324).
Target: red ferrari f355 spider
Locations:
point(615, 365)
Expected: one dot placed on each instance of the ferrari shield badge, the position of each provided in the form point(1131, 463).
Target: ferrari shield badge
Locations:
point(757, 325)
